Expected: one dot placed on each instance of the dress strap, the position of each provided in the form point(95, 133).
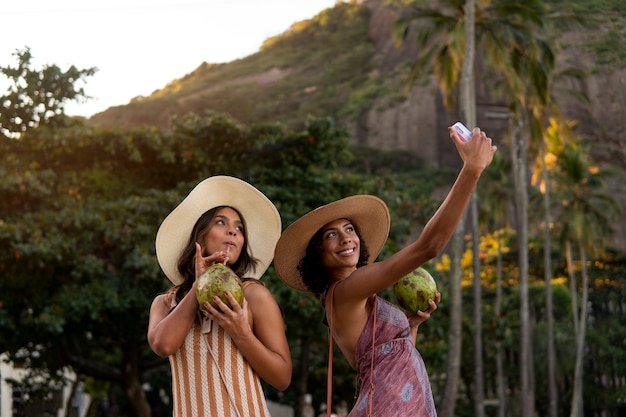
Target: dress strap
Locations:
point(372, 386)
point(329, 373)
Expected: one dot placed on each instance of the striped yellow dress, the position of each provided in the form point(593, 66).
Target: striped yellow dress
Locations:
point(211, 378)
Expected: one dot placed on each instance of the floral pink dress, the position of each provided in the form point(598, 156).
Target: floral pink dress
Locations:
point(400, 380)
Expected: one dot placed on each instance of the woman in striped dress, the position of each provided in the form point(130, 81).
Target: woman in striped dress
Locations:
point(219, 356)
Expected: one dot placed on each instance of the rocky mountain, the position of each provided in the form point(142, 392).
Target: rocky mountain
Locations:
point(345, 63)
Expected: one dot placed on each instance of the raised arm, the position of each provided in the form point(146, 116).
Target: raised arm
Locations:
point(477, 155)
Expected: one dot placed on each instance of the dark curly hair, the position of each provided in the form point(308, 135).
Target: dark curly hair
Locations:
point(312, 271)
point(186, 262)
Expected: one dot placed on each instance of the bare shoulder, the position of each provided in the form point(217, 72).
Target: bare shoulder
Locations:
point(255, 291)
point(261, 300)
point(162, 301)
point(265, 308)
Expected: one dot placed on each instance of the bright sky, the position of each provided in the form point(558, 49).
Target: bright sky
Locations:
point(139, 46)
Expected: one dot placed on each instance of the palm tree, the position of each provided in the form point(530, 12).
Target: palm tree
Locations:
point(463, 46)
point(549, 143)
point(468, 109)
point(510, 34)
point(588, 211)
point(465, 39)
point(547, 268)
point(494, 192)
point(533, 101)
point(556, 135)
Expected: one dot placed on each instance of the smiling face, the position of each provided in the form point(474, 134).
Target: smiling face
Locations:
point(340, 246)
point(225, 233)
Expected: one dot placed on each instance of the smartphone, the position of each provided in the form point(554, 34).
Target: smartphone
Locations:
point(464, 132)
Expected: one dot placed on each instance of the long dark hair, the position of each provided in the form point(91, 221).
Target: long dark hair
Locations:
point(186, 262)
point(313, 273)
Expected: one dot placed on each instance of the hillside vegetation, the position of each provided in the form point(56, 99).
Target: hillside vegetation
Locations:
point(318, 67)
point(326, 66)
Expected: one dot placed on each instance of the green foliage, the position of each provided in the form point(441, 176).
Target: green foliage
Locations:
point(37, 97)
point(586, 211)
point(603, 24)
point(604, 358)
point(79, 214)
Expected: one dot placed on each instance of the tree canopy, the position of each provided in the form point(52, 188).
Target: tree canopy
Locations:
point(38, 97)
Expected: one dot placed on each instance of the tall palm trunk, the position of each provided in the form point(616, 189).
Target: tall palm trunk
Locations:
point(455, 339)
point(577, 397)
point(468, 107)
point(519, 158)
point(572, 284)
point(500, 350)
point(547, 266)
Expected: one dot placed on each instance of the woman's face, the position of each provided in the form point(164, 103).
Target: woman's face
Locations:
point(225, 234)
point(340, 245)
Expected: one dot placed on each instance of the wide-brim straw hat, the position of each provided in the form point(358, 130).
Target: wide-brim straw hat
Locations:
point(262, 220)
point(368, 213)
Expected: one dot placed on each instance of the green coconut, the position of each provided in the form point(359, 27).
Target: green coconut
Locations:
point(414, 290)
point(215, 281)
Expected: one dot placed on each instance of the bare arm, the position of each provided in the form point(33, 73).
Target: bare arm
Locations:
point(167, 330)
point(477, 155)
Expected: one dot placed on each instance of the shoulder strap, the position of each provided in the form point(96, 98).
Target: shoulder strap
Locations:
point(329, 373)
point(222, 376)
point(371, 390)
point(246, 283)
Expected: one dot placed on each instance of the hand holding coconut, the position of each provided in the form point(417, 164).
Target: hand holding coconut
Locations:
point(416, 293)
point(415, 290)
point(219, 292)
point(217, 281)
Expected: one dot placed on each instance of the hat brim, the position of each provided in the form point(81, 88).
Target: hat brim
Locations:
point(263, 224)
point(368, 213)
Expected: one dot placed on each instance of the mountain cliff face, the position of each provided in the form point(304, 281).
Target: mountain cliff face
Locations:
point(344, 63)
point(419, 122)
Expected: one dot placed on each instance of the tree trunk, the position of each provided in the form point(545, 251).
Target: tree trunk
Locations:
point(479, 387)
point(500, 351)
point(519, 150)
point(72, 396)
point(572, 284)
point(577, 396)
point(468, 103)
point(131, 383)
point(453, 368)
point(303, 374)
point(547, 267)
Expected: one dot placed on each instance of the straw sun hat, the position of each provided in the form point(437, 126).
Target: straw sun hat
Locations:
point(368, 213)
point(261, 218)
